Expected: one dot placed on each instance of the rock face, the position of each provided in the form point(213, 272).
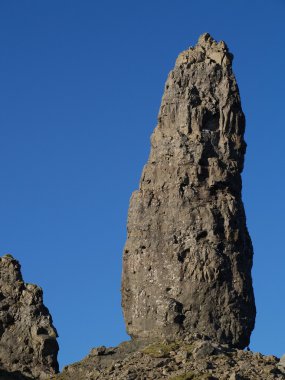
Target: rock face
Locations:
point(28, 346)
point(188, 256)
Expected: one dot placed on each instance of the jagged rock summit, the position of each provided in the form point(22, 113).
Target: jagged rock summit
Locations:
point(188, 256)
point(28, 346)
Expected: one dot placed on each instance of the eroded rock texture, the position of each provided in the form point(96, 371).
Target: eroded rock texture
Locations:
point(188, 360)
point(28, 346)
point(188, 256)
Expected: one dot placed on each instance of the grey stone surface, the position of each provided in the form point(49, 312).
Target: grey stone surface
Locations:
point(281, 364)
point(28, 346)
point(188, 256)
point(203, 350)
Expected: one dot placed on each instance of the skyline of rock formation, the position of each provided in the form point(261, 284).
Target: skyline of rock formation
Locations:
point(28, 345)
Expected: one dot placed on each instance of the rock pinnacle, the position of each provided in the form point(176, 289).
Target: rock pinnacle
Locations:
point(188, 255)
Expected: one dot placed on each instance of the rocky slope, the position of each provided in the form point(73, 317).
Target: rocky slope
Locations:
point(28, 346)
point(188, 256)
point(196, 359)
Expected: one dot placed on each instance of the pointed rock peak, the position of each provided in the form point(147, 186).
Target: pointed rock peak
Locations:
point(208, 42)
point(10, 269)
point(206, 50)
point(188, 256)
point(28, 343)
point(205, 39)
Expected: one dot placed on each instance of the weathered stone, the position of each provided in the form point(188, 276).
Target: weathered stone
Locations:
point(281, 364)
point(171, 361)
point(98, 351)
point(203, 350)
point(188, 256)
point(28, 346)
point(282, 360)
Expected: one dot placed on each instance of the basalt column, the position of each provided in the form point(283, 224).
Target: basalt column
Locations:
point(188, 256)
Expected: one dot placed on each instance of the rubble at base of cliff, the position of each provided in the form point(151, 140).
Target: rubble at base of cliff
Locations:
point(196, 359)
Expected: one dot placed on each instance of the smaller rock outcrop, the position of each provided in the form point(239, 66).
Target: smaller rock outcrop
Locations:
point(28, 345)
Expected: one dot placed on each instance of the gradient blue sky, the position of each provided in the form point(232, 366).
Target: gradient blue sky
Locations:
point(81, 83)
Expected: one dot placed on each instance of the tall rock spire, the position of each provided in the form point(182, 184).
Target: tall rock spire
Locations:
point(188, 256)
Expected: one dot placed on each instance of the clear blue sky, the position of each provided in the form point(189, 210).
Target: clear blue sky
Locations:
point(81, 84)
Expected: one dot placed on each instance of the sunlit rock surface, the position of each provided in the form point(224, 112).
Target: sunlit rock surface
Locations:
point(188, 256)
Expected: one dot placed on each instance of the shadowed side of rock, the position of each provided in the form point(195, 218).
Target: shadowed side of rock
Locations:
point(188, 256)
point(28, 345)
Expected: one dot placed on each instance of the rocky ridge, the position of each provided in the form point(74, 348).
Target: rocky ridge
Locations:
point(28, 346)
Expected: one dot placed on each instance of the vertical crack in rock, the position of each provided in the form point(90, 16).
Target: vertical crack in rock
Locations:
point(188, 256)
point(28, 345)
